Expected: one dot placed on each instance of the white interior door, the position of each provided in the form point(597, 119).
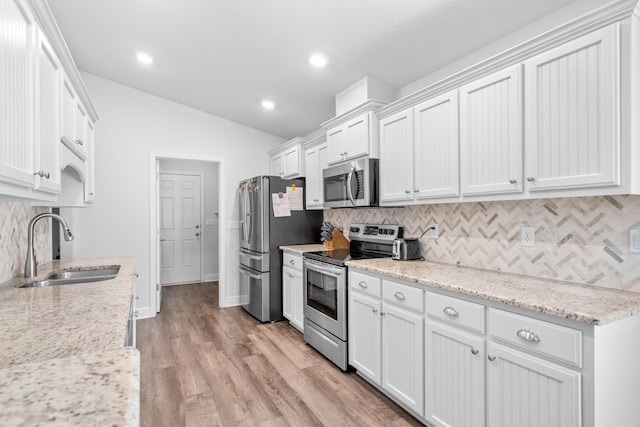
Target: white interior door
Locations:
point(180, 231)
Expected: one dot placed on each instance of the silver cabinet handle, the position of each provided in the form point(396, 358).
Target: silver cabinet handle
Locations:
point(530, 179)
point(382, 313)
point(512, 181)
point(416, 191)
point(407, 191)
point(197, 234)
point(528, 335)
point(363, 284)
point(400, 296)
point(375, 310)
point(292, 262)
point(474, 351)
point(42, 174)
point(79, 142)
point(450, 311)
point(197, 227)
point(91, 194)
point(163, 240)
point(491, 357)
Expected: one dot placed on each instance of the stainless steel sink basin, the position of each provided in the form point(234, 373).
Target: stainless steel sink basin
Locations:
point(77, 276)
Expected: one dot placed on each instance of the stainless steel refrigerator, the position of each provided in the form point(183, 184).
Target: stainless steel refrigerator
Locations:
point(261, 235)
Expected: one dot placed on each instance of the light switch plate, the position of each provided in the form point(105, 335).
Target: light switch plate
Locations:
point(634, 241)
point(528, 237)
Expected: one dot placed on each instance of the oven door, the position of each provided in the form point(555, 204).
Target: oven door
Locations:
point(325, 296)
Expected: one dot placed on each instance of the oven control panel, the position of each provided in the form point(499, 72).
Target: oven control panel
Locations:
point(375, 232)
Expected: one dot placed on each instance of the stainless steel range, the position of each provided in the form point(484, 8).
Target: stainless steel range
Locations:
point(326, 285)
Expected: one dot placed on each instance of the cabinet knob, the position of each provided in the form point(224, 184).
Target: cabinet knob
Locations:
point(382, 313)
point(491, 357)
point(416, 191)
point(513, 181)
point(197, 234)
point(407, 191)
point(363, 284)
point(292, 262)
point(79, 142)
point(400, 296)
point(474, 351)
point(530, 179)
point(374, 310)
point(91, 194)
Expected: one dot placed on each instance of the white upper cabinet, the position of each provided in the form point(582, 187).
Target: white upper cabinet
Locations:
point(48, 113)
point(396, 157)
point(316, 159)
point(17, 66)
point(436, 147)
point(572, 114)
point(287, 160)
point(89, 185)
point(354, 138)
point(491, 133)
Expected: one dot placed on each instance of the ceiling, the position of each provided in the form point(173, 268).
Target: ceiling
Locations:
point(224, 57)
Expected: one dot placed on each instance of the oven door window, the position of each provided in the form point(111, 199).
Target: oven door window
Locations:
point(322, 293)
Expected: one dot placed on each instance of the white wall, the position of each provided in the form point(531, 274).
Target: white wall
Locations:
point(132, 125)
point(209, 171)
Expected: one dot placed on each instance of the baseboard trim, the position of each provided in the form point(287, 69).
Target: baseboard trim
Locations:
point(213, 277)
point(145, 313)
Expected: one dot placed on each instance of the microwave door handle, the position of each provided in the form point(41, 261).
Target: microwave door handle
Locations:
point(349, 179)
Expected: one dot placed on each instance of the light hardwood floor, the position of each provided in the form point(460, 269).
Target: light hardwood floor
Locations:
point(204, 366)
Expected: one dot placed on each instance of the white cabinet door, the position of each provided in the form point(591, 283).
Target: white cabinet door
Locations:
point(68, 113)
point(525, 391)
point(287, 293)
point(89, 185)
point(291, 166)
point(316, 161)
point(436, 147)
point(277, 165)
point(365, 349)
point(357, 136)
point(17, 55)
point(336, 140)
point(454, 377)
point(396, 157)
point(491, 134)
point(402, 356)
point(48, 113)
point(81, 128)
point(297, 300)
point(571, 105)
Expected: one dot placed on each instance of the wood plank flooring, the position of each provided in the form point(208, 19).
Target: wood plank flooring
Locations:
point(205, 366)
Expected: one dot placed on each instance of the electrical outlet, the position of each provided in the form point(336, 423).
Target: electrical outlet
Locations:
point(528, 237)
point(434, 232)
point(634, 241)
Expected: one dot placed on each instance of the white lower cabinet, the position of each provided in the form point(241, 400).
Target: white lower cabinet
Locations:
point(365, 336)
point(402, 357)
point(454, 376)
point(527, 391)
point(292, 290)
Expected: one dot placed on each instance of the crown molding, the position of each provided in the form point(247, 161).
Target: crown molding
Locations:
point(49, 26)
point(315, 141)
point(285, 145)
point(370, 105)
point(598, 18)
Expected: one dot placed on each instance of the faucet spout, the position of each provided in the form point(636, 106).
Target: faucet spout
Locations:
point(30, 267)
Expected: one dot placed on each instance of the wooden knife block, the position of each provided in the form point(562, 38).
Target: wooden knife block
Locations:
point(338, 241)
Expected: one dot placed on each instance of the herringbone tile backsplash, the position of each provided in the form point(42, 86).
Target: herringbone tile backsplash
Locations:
point(582, 240)
point(14, 218)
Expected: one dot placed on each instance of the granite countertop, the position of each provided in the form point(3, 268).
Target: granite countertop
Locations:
point(72, 338)
point(300, 249)
point(584, 303)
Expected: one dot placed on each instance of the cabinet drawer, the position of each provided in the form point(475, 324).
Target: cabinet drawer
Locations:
point(455, 311)
point(538, 336)
point(365, 284)
point(403, 295)
point(292, 261)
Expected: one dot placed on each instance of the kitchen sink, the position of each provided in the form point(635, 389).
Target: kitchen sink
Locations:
point(75, 276)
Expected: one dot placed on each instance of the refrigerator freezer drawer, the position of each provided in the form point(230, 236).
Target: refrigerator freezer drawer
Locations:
point(254, 260)
point(256, 284)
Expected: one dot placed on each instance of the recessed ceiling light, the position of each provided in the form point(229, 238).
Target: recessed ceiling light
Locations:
point(267, 104)
point(318, 60)
point(145, 58)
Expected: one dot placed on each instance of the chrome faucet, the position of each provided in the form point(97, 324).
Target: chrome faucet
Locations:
point(30, 268)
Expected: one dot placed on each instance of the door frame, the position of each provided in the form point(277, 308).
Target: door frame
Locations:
point(201, 214)
point(154, 158)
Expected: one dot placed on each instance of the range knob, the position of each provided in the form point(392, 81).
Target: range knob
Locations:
point(354, 229)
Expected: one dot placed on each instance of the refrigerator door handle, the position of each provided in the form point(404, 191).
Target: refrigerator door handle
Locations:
point(248, 273)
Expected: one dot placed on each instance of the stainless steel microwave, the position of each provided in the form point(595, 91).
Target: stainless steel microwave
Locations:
point(351, 184)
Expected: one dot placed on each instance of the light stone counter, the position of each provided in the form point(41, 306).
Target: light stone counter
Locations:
point(300, 249)
point(584, 303)
point(97, 389)
point(72, 338)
